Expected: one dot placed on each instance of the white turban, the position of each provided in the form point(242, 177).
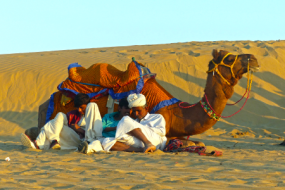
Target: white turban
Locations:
point(136, 100)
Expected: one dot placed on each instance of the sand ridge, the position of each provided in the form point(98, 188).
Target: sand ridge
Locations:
point(252, 157)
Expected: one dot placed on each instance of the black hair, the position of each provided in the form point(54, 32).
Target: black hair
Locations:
point(124, 103)
point(81, 99)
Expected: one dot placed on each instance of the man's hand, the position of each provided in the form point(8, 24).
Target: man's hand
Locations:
point(75, 127)
point(108, 129)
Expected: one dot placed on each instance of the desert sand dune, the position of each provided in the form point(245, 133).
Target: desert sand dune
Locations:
point(249, 140)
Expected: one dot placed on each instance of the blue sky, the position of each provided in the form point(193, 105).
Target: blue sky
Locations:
point(38, 25)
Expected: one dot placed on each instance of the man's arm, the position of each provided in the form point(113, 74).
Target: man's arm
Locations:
point(78, 129)
point(108, 129)
point(106, 121)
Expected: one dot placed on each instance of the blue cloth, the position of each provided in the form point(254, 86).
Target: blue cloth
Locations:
point(138, 89)
point(109, 121)
point(163, 104)
point(50, 107)
point(72, 65)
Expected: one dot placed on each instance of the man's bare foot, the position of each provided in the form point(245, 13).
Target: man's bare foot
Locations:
point(55, 145)
point(149, 148)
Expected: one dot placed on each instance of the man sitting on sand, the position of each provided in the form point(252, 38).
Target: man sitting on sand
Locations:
point(145, 134)
point(68, 131)
point(110, 120)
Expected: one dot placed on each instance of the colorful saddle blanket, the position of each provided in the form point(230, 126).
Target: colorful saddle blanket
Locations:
point(102, 79)
point(175, 145)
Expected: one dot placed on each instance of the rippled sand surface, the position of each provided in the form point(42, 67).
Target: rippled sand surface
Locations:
point(249, 140)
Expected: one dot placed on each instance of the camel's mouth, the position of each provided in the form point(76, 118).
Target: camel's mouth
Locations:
point(254, 68)
point(253, 64)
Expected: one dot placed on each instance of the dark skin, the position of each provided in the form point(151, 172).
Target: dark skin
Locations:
point(122, 112)
point(108, 129)
point(140, 113)
point(75, 127)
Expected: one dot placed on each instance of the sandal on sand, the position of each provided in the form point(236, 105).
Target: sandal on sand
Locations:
point(83, 147)
point(55, 145)
point(26, 141)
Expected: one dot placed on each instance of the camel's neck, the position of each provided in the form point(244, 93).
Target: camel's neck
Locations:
point(217, 93)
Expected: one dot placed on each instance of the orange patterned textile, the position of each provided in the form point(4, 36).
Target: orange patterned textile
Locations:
point(58, 107)
point(101, 76)
point(102, 79)
point(96, 81)
point(154, 94)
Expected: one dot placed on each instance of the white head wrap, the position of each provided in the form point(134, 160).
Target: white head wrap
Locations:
point(136, 100)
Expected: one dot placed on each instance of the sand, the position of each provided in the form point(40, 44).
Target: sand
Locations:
point(249, 140)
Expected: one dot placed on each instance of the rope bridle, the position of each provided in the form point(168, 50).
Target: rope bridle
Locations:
point(223, 64)
point(248, 88)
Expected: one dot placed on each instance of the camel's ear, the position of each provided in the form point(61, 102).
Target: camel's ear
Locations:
point(215, 54)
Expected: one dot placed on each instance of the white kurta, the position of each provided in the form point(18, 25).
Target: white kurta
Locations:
point(152, 126)
point(57, 129)
point(93, 128)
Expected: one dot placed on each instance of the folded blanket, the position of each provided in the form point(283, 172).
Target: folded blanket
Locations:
point(176, 145)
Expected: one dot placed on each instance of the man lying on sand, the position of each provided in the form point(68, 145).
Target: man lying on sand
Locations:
point(145, 134)
point(68, 131)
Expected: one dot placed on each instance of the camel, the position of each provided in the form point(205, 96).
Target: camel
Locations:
point(219, 88)
point(225, 70)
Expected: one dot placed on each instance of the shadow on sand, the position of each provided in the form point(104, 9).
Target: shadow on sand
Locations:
point(21, 118)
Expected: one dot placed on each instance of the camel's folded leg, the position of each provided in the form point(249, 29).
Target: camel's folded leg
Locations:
point(187, 143)
point(197, 143)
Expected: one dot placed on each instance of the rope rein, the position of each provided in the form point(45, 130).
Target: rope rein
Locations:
point(187, 106)
point(247, 91)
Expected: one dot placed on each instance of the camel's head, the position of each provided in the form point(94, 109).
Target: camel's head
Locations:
point(231, 67)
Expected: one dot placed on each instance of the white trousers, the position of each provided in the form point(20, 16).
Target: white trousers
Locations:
point(126, 125)
point(57, 129)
